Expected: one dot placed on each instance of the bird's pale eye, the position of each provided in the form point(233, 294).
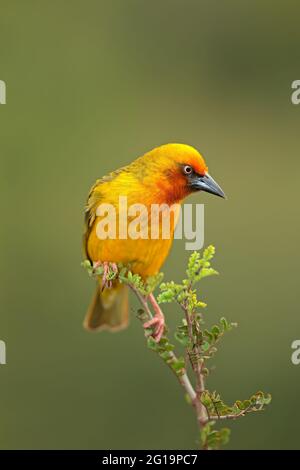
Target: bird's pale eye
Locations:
point(187, 169)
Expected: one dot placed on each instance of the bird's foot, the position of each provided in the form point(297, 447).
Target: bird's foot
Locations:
point(157, 322)
point(109, 272)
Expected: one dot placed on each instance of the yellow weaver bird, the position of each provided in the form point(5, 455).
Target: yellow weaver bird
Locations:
point(165, 175)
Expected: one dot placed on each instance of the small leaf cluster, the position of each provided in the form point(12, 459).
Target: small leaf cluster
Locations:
point(212, 439)
point(200, 342)
point(182, 334)
point(125, 276)
point(200, 345)
point(86, 264)
point(135, 280)
point(95, 271)
point(200, 267)
point(216, 408)
point(210, 337)
point(184, 293)
point(164, 348)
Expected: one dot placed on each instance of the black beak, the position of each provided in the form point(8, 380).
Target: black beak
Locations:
point(208, 184)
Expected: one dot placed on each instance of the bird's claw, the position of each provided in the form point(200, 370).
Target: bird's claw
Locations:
point(110, 271)
point(158, 325)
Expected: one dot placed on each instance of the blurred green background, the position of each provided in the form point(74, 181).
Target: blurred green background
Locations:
point(90, 86)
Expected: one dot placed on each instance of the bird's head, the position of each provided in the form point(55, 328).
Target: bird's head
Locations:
point(181, 170)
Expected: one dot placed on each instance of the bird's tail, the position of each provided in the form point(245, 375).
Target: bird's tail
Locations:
point(108, 309)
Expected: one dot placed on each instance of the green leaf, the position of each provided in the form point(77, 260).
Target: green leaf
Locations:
point(169, 347)
point(224, 324)
point(86, 264)
point(206, 399)
point(215, 331)
point(148, 332)
point(183, 339)
point(209, 336)
point(165, 355)
point(224, 436)
point(179, 365)
point(152, 344)
point(204, 433)
point(205, 346)
point(209, 252)
point(205, 272)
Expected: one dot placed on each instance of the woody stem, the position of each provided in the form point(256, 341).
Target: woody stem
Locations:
point(183, 378)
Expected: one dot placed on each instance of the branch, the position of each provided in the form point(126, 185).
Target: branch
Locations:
point(221, 417)
point(199, 343)
point(182, 378)
point(197, 366)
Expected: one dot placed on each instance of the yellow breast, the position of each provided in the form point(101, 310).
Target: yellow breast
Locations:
point(149, 238)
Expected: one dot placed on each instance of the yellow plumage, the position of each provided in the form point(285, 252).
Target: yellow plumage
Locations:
point(155, 178)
